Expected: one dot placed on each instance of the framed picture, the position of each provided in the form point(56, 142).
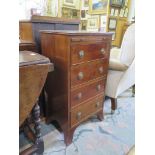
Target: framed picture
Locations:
point(117, 3)
point(70, 13)
point(70, 3)
point(103, 21)
point(126, 12)
point(116, 12)
point(112, 23)
point(126, 2)
point(98, 6)
point(121, 14)
point(112, 11)
point(66, 12)
point(87, 12)
point(75, 13)
point(85, 3)
point(51, 8)
point(84, 25)
point(93, 23)
point(83, 13)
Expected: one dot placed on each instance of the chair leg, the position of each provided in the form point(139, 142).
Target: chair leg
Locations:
point(113, 104)
point(133, 91)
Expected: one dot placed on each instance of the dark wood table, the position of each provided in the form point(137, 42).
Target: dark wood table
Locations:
point(27, 45)
point(33, 70)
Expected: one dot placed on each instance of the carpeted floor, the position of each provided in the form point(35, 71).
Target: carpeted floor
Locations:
point(113, 136)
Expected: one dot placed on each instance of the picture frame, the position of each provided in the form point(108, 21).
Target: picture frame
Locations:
point(126, 3)
point(70, 13)
point(70, 3)
point(98, 6)
point(66, 12)
point(86, 3)
point(93, 23)
point(83, 13)
point(117, 3)
point(112, 11)
point(75, 13)
point(103, 21)
point(112, 23)
point(83, 25)
point(116, 12)
point(51, 8)
point(126, 12)
point(121, 14)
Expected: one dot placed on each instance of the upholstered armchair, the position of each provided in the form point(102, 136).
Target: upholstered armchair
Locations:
point(121, 67)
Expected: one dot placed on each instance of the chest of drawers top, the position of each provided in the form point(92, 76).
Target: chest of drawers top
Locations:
point(80, 46)
point(81, 36)
point(69, 32)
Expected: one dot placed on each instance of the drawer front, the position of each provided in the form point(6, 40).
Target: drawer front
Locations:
point(88, 71)
point(86, 52)
point(82, 112)
point(78, 39)
point(87, 91)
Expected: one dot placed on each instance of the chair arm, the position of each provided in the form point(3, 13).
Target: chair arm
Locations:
point(116, 65)
point(115, 53)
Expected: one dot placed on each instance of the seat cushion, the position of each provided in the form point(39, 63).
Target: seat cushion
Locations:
point(115, 53)
point(117, 65)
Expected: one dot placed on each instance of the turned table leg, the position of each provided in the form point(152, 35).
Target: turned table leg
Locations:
point(37, 127)
point(113, 104)
point(133, 91)
point(38, 146)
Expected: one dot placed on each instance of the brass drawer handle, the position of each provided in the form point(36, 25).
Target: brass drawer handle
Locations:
point(79, 96)
point(100, 70)
point(80, 76)
point(81, 54)
point(102, 51)
point(98, 87)
point(97, 105)
point(78, 116)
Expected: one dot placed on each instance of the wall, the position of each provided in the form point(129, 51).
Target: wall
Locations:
point(44, 8)
point(131, 10)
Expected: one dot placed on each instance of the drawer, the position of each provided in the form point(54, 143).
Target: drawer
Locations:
point(85, 110)
point(88, 71)
point(78, 39)
point(87, 52)
point(87, 91)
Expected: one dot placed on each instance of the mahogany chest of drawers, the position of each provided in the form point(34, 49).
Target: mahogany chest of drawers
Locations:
point(75, 90)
